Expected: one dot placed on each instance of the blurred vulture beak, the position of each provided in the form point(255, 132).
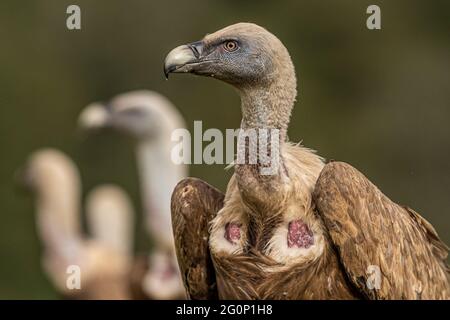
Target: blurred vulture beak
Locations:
point(182, 59)
point(94, 116)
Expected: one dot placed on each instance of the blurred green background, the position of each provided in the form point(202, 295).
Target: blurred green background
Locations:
point(376, 99)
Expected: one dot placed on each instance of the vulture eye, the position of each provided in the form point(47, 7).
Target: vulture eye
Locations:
point(231, 46)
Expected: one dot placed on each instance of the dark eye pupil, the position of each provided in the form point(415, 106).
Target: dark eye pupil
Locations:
point(230, 45)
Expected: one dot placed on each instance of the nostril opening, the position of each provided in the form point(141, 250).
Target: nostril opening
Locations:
point(196, 48)
point(195, 51)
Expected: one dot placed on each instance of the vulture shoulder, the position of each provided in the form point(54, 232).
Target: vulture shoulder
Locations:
point(375, 236)
point(194, 204)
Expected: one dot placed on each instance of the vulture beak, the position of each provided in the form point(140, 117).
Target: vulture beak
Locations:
point(182, 59)
point(94, 116)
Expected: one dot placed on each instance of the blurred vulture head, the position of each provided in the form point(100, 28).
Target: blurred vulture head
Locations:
point(140, 114)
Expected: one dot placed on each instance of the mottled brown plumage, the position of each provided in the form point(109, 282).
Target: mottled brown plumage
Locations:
point(367, 228)
point(352, 227)
point(195, 204)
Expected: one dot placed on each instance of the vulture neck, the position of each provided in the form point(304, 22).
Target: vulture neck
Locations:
point(266, 105)
point(269, 103)
point(158, 177)
point(58, 209)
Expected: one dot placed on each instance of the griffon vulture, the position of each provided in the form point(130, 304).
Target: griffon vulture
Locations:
point(149, 118)
point(310, 231)
point(80, 267)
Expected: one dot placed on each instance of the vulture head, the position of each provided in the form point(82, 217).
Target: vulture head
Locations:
point(48, 171)
point(140, 114)
point(243, 54)
point(251, 59)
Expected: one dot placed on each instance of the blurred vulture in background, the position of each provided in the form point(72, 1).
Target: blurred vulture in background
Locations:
point(309, 231)
point(102, 260)
point(149, 118)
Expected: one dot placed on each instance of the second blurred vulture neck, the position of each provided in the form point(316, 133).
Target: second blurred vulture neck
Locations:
point(158, 175)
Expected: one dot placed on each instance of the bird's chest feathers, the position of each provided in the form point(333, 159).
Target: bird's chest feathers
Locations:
point(250, 255)
point(291, 234)
point(281, 225)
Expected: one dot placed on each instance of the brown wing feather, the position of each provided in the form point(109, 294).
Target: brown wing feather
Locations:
point(194, 205)
point(368, 229)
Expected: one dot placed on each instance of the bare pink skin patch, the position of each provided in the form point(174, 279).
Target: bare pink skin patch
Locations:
point(299, 235)
point(232, 232)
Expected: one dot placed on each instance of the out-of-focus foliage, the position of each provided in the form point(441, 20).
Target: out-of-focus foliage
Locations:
point(376, 99)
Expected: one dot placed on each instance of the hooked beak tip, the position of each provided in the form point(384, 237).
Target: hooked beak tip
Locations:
point(167, 72)
point(178, 58)
point(94, 116)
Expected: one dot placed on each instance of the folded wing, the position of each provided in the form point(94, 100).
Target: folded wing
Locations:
point(388, 251)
